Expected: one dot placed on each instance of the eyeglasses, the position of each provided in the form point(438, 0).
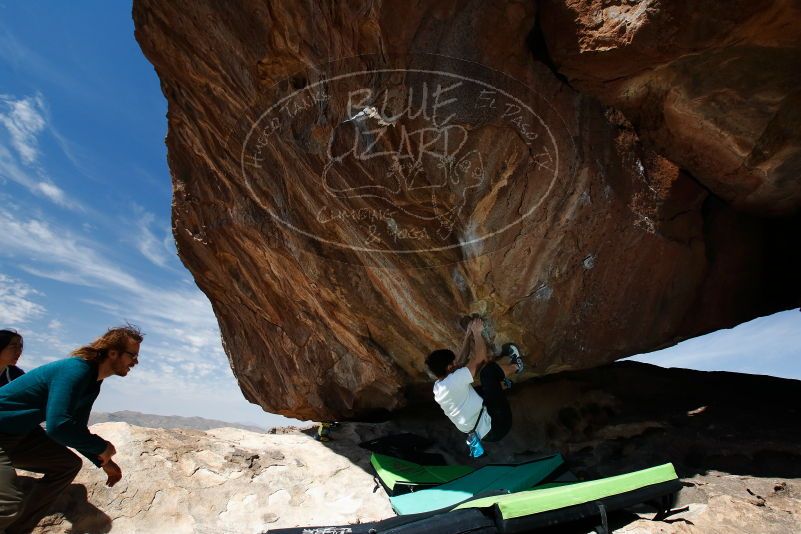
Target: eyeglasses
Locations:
point(134, 357)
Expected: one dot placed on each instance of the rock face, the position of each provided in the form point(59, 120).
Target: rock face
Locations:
point(715, 90)
point(733, 439)
point(351, 178)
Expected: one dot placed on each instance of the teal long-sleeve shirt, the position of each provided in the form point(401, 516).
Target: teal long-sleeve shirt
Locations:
point(60, 393)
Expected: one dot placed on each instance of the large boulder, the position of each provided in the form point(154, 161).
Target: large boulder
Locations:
point(351, 178)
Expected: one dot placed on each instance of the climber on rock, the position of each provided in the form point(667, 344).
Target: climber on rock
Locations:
point(61, 395)
point(483, 414)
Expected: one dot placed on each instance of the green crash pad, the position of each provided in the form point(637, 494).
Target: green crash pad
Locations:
point(394, 472)
point(539, 500)
point(487, 479)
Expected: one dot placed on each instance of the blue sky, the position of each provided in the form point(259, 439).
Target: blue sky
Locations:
point(765, 346)
point(85, 222)
point(85, 211)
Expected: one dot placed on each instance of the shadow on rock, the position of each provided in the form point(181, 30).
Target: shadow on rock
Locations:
point(628, 416)
point(622, 417)
point(72, 506)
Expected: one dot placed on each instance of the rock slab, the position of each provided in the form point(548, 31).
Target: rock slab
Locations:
point(351, 178)
point(218, 481)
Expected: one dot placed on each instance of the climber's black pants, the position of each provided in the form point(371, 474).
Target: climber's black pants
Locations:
point(495, 401)
point(36, 452)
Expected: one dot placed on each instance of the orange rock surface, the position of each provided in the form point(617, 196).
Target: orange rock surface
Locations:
point(350, 178)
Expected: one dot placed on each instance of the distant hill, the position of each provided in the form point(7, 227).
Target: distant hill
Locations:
point(166, 421)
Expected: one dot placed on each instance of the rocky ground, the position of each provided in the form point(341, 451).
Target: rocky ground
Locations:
point(218, 481)
point(717, 502)
point(733, 439)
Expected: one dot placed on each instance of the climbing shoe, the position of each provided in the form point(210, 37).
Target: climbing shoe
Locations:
point(511, 350)
point(507, 383)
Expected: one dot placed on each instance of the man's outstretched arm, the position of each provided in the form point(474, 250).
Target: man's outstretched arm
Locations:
point(64, 420)
point(479, 346)
point(464, 352)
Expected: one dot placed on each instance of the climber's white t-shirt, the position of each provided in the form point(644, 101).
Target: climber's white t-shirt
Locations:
point(461, 403)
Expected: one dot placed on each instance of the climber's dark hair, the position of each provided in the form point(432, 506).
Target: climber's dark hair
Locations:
point(7, 336)
point(438, 362)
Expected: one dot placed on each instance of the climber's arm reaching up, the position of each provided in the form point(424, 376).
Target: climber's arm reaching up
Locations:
point(479, 346)
point(464, 352)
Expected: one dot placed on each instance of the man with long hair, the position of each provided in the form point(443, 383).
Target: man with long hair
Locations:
point(61, 395)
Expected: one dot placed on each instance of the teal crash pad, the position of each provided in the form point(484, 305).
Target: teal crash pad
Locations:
point(487, 480)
